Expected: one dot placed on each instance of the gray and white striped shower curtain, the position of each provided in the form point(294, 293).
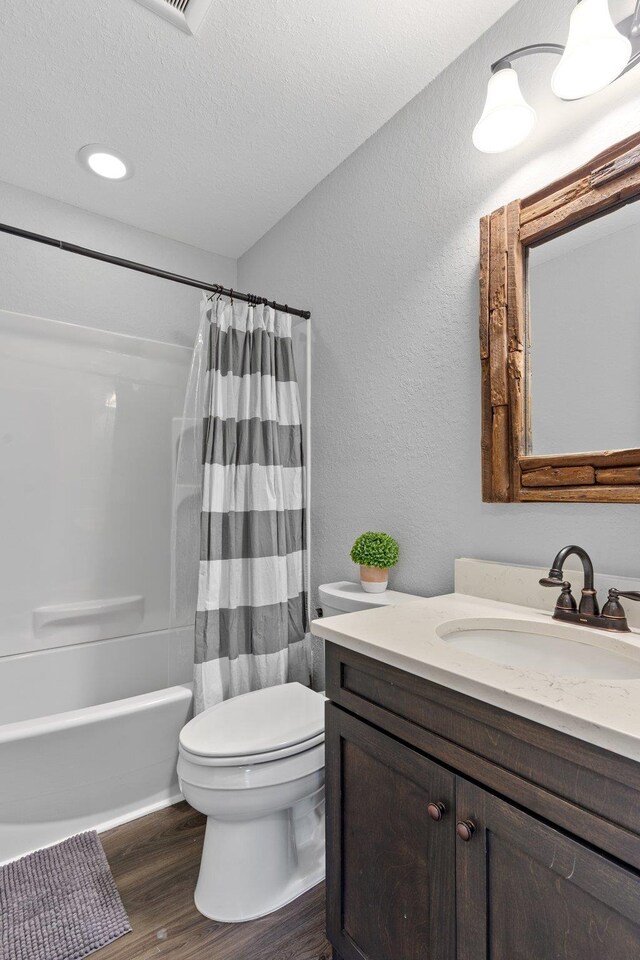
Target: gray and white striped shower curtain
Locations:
point(251, 619)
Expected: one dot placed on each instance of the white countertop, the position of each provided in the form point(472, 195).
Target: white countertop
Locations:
point(603, 712)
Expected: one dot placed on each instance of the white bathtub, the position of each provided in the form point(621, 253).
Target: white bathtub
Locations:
point(89, 736)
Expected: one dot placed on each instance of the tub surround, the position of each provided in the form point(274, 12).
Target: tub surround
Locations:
point(89, 420)
point(95, 659)
point(47, 683)
point(605, 713)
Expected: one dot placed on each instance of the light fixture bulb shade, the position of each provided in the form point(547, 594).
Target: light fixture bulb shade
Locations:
point(596, 52)
point(507, 118)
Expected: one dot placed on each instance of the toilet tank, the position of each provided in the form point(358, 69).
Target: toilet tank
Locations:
point(347, 597)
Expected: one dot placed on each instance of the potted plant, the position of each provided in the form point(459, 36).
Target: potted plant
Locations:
point(375, 552)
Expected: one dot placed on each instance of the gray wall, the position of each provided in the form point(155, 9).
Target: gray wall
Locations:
point(44, 282)
point(385, 253)
point(584, 307)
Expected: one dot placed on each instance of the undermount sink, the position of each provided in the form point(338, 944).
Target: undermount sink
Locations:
point(557, 650)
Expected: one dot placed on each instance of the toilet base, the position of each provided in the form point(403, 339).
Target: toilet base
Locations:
point(251, 868)
point(292, 892)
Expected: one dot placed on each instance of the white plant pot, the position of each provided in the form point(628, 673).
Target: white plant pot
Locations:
point(373, 579)
point(370, 587)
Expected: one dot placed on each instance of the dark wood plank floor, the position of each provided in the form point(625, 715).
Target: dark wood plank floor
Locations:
point(155, 863)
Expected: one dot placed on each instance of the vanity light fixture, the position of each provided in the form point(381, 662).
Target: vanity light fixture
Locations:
point(595, 55)
point(507, 118)
point(104, 162)
point(597, 52)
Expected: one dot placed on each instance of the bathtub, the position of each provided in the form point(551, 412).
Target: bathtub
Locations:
point(89, 735)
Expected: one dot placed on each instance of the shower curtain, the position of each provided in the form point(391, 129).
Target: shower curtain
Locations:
point(251, 615)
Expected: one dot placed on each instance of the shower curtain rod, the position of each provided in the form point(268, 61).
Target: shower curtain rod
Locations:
point(152, 271)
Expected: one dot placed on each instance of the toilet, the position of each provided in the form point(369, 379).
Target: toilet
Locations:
point(254, 765)
point(347, 597)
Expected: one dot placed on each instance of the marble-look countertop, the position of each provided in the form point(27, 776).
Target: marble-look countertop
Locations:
point(603, 712)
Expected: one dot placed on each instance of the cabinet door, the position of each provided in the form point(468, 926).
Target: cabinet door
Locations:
point(526, 891)
point(390, 866)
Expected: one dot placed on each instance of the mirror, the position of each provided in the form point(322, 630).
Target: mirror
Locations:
point(583, 292)
point(560, 338)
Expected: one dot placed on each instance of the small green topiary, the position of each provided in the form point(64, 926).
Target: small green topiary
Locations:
point(375, 550)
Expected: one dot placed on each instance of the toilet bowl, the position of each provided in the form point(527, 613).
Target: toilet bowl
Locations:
point(254, 765)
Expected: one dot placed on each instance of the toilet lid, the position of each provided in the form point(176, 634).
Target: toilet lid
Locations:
point(256, 723)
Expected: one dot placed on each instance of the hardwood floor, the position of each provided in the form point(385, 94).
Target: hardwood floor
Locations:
point(155, 863)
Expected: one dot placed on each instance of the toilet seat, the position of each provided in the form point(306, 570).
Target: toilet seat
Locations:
point(246, 776)
point(249, 759)
point(258, 727)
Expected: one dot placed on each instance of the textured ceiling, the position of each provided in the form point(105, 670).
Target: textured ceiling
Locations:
point(227, 130)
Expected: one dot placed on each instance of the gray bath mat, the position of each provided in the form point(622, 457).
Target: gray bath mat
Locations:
point(60, 903)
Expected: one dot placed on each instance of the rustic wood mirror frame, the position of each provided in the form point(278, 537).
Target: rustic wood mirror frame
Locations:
point(509, 472)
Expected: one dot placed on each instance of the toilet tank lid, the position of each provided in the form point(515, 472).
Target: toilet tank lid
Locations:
point(350, 597)
point(257, 722)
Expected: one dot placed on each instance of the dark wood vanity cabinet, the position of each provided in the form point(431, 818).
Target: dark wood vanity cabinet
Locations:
point(457, 831)
point(392, 867)
point(527, 891)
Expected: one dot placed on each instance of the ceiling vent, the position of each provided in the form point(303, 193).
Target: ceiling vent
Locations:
point(187, 15)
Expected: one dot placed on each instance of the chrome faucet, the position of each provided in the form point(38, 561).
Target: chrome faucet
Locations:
point(588, 613)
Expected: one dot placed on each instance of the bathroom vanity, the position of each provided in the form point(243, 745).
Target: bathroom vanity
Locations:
point(478, 809)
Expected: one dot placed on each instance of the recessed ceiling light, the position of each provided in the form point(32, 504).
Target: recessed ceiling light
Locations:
point(104, 162)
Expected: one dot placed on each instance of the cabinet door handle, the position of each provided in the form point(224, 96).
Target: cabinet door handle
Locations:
point(465, 829)
point(436, 810)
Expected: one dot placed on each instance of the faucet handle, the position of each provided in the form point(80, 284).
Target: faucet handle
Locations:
point(613, 609)
point(628, 594)
point(566, 600)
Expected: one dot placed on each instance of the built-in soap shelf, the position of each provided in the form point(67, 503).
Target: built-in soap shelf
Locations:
point(87, 620)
